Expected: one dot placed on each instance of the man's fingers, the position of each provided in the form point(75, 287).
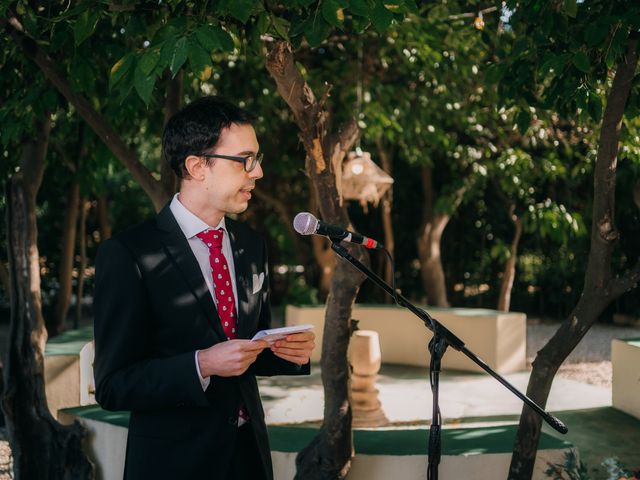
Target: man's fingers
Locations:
point(309, 345)
point(250, 345)
point(291, 358)
point(300, 337)
point(296, 352)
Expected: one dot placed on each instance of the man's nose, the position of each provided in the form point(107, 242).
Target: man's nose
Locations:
point(257, 172)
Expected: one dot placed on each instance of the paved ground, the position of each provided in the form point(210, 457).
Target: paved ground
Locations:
point(580, 397)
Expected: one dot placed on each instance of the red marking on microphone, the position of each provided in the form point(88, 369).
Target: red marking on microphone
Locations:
point(370, 243)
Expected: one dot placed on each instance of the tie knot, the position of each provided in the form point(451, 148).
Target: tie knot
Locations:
point(212, 238)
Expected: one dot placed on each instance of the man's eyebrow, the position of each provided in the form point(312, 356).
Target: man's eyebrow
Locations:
point(247, 152)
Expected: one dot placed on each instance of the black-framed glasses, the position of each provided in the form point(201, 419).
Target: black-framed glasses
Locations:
point(250, 161)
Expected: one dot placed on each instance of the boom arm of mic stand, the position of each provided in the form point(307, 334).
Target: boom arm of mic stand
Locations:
point(451, 339)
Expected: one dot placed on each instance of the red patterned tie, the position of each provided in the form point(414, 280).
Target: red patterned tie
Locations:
point(223, 289)
point(221, 281)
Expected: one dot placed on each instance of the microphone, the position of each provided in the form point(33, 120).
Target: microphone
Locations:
point(306, 224)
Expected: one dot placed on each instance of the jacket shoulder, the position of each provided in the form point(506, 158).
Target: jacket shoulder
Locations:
point(135, 239)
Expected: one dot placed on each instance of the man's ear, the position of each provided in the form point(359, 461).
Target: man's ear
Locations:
point(194, 166)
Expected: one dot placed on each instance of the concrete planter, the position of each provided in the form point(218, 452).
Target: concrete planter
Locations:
point(625, 362)
point(480, 453)
point(498, 338)
point(68, 370)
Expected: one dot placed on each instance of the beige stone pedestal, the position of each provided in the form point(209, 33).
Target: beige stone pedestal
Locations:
point(364, 352)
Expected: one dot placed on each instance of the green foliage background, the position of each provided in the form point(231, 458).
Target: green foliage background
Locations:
point(511, 110)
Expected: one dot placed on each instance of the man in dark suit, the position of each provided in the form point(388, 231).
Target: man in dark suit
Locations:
point(177, 300)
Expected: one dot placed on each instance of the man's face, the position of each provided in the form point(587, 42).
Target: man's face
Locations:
point(227, 186)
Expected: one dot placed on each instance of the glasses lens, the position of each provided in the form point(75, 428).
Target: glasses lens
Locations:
point(251, 161)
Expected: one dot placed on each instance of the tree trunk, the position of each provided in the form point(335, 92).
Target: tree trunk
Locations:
point(41, 447)
point(387, 207)
point(325, 258)
point(429, 239)
point(509, 273)
point(65, 270)
point(600, 287)
point(153, 188)
point(329, 454)
point(4, 278)
point(104, 222)
point(84, 207)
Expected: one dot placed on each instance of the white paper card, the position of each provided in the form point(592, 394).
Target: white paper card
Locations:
point(273, 334)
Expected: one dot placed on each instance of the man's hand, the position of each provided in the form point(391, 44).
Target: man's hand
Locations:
point(295, 348)
point(230, 358)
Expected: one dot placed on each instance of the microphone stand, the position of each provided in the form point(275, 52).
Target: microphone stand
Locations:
point(442, 338)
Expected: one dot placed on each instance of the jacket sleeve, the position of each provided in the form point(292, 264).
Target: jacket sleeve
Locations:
point(127, 376)
point(267, 363)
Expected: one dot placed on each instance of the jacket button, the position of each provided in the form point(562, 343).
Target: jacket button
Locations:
point(233, 420)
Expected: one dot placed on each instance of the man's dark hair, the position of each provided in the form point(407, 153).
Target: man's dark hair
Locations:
point(196, 128)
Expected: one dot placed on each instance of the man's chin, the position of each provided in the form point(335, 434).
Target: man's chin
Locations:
point(238, 209)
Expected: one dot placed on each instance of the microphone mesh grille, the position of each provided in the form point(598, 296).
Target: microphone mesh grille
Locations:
point(305, 223)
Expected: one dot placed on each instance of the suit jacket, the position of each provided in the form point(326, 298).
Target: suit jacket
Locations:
point(152, 312)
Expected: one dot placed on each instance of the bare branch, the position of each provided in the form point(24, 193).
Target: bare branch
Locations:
point(292, 86)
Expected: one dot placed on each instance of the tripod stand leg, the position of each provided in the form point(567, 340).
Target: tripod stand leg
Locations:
point(437, 347)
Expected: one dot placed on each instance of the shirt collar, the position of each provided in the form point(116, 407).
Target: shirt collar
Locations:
point(189, 223)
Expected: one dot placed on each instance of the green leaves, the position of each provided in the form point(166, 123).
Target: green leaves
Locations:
point(596, 33)
point(553, 62)
point(332, 12)
point(381, 17)
point(214, 38)
point(240, 9)
point(523, 120)
point(571, 7)
point(149, 60)
point(281, 26)
point(145, 74)
point(316, 30)
point(82, 75)
point(594, 107)
point(85, 26)
point(359, 7)
point(494, 73)
point(143, 83)
point(199, 61)
point(581, 62)
point(178, 56)
point(167, 50)
point(120, 69)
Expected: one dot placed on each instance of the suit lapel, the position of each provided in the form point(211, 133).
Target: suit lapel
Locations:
point(242, 269)
point(180, 253)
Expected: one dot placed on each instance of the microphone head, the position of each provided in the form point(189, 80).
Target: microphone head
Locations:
point(305, 223)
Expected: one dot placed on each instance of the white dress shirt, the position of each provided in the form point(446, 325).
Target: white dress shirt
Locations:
point(191, 225)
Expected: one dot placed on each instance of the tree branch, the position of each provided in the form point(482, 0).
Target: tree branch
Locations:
point(627, 282)
point(604, 233)
point(33, 156)
point(117, 146)
point(298, 95)
point(4, 279)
